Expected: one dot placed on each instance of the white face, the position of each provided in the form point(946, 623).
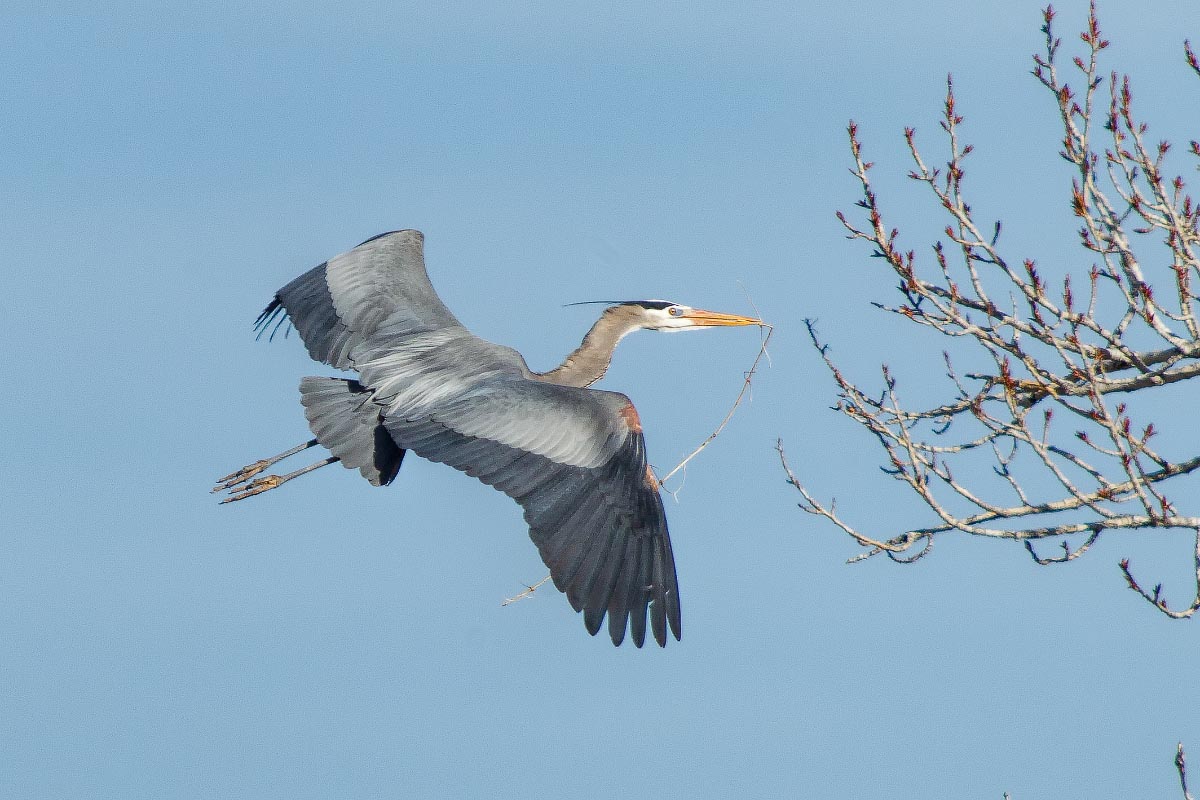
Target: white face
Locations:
point(672, 318)
point(676, 317)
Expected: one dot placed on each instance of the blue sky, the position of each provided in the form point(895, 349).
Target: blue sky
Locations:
point(165, 168)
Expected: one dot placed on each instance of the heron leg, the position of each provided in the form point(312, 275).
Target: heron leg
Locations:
point(247, 472)
point(268, 482)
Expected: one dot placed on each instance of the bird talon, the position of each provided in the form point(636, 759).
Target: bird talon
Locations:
point(241, 476)
point(257, 486)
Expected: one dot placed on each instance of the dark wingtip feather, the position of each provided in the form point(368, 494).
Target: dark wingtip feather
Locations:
point(593, 618)
point(268, 312)
point(616, 628)
point(637, 626)
point(639, 595)
point(674, 615)
point(604, 585)
point(658, 605)
point(268, 315)
point(658, 623)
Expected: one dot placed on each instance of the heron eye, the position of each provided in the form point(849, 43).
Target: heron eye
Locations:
point(675, 311)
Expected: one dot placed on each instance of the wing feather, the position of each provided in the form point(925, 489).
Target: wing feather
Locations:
point(620, 600)
point(658, 603)
point(597, 521)
point(565, 563)
point(603, 589)
point(384, 280)
point(595, 562)
point(638, 596)
point(339, 305)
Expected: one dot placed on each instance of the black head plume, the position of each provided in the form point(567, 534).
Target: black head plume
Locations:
point(655, 304)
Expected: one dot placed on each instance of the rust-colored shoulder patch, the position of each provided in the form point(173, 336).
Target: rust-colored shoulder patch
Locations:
point(651, 481)
point(630, 415)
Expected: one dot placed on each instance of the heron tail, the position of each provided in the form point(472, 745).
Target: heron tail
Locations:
point(346, 422)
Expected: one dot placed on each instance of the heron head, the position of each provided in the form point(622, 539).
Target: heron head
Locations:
point(663, 315)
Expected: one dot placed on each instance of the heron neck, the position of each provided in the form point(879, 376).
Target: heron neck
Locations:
point(588, 363)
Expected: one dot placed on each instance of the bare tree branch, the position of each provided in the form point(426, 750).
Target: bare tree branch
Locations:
point(1052, 415)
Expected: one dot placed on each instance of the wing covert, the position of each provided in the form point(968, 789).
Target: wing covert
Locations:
point(384, 278)
point(339, 305)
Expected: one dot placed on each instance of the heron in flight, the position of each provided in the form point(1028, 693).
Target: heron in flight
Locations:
point(574, 458)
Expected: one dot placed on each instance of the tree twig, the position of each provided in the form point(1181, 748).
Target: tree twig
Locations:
point(529, 590)
point(749, 376)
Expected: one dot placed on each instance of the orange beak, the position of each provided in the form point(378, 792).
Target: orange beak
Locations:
point(707, 318)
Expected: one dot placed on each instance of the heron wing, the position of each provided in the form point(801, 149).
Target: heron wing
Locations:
point(340, 304)
point(575, 460)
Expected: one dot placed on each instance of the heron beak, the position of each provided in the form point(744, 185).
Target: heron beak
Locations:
point(704, 318)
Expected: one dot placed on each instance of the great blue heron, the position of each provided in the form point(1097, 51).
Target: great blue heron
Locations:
point(573, 457)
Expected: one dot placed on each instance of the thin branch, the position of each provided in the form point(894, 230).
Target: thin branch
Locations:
point(742, 393)
point(1068, 553)
point(830, 513)
point(1156, 599)
point(529, 590)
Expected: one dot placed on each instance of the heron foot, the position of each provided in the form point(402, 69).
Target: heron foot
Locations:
point(244, 474)
point(240, 486)
point(257, 486)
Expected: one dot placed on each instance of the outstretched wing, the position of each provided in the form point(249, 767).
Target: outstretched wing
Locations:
point(575, 460)
point(338, 305)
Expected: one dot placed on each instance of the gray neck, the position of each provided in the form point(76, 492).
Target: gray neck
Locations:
point(590, 360)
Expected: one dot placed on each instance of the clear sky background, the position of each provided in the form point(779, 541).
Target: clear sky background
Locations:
point(164, 168)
